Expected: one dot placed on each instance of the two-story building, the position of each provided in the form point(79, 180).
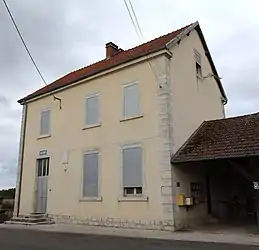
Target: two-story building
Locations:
point(96, 144)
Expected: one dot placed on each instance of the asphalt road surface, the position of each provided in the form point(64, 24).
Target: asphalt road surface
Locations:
point(17, 239)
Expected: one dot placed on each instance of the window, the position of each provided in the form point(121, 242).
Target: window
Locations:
point(131, 100)
point(92, 110)
point(90, 174)
point(197, 192)
point(45, 122)
point(43, 167)
point(132, 171)
point(198, 63)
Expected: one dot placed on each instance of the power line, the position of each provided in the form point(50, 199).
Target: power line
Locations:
point(136, 19)
point(138, 31)
point(132, 20)
point(28, 51)
point(23, 41)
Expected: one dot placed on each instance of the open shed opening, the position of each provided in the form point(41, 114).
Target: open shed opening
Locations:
point(217, 170)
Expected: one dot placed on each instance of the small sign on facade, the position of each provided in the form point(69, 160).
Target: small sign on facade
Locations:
point(256, 185)
point(43, 152)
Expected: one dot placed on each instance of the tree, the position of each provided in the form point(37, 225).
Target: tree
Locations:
point(7, 193)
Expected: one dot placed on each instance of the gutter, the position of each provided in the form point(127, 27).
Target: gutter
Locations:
point(20, 161)
point(96, 74)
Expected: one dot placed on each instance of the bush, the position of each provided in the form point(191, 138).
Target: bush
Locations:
point(7, 204)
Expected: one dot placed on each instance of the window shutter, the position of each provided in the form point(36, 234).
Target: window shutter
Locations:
point(92, 110)
point(45, 122)
point(90, 175)
point(132, 167)
point(131, 100)
point(197, 57)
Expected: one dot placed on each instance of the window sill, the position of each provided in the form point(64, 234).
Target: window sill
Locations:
point(91, 199)
point(92, 126)
point(131, 118)
point(133, 199)
point(43, 136)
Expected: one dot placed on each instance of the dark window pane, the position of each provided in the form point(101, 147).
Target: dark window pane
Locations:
point(43, 167)
point(47, 163)
point(39, 167)
point(139, 190)
point(129, 191)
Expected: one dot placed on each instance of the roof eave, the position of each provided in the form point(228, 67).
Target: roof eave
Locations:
point(207, 52)
point(210, 158)
point(154, 53)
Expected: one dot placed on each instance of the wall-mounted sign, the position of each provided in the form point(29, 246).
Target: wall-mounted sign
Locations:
point(43, 152)
point(256, 185)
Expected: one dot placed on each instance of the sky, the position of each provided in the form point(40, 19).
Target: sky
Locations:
point(64, 35)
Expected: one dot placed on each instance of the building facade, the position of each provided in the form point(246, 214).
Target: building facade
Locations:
point(96, 145)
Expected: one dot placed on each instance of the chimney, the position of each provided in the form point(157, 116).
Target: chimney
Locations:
point(111, 49)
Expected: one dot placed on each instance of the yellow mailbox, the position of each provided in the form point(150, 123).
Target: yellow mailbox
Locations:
point(180, 200)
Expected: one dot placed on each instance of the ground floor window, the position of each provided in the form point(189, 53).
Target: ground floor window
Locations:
point(91, 174)
point(132, 171)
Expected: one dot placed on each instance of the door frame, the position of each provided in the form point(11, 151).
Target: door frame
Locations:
point(40, 157)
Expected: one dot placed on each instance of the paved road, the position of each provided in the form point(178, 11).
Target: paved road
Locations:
point(18, 239)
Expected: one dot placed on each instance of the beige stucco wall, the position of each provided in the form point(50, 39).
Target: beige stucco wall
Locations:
point(67, 134)
point(160, 134)
point(192, 101)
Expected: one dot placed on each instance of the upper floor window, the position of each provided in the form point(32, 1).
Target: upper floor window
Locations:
point(91, 174)
point(132, 170)
point(131, 100)
point(92, 110)
point(198, 63)
point(45, 122)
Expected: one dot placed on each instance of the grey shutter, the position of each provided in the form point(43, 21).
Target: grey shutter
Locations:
point(92, 110)
point(131, 100)
point(132, 167)
point(45, 122)
point(197, 57)
point(90, 176)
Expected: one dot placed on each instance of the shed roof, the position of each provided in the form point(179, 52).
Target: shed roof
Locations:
point(223, 138)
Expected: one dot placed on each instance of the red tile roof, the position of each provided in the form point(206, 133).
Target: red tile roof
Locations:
point(224, 138)
point(120, 58)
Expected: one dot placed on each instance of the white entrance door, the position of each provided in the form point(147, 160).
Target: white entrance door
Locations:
point(42, 185)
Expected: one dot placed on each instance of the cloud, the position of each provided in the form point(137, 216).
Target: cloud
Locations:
point(66, 35)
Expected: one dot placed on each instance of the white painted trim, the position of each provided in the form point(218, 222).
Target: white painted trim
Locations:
point(92, 95)
point(92, 126)
point(86, 152)
point(133, 199)
point(43, 136)
point(91, 199)
point(144, 185)
point(131, 118)
point(128, 84)
point(99, 110)
point(105, 72)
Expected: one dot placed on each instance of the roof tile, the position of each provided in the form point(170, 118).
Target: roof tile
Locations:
point(120, 58)
point(224, 138)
